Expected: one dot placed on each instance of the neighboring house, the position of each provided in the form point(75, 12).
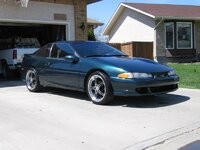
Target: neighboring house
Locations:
point(174, 29)
point(93, 24)
point(49, 20)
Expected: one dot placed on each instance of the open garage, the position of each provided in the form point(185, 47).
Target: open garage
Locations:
point(44, 33)
point(16, 39)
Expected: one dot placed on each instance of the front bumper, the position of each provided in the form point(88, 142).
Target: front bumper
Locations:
point(142, 87)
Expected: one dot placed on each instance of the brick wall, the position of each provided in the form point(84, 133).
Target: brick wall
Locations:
point(80, 8)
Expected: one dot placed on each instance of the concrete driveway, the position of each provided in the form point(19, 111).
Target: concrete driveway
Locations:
point(64, 120)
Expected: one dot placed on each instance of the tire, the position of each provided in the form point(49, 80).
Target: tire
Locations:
point(32, 80)
point(6, 70)
point(99, 88)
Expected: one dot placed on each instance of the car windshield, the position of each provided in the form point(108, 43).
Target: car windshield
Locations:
point(95, 49)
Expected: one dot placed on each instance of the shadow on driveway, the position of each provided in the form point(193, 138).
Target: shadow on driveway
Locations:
point(11, 82)
point(150, 101)
point(66, 93)
point(134, 102)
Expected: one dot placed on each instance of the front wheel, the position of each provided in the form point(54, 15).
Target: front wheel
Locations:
point(32, 81)
point(99, 88)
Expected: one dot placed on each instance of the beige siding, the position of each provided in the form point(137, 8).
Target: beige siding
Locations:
point(38, 12)
point(132, 26)
point(42, 11)
point(70, 2)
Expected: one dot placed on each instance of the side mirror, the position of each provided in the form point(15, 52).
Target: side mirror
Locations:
point(72, 58)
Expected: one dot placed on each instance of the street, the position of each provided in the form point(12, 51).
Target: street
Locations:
point(57, 119)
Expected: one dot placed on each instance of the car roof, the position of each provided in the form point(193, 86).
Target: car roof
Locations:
point(73, 42)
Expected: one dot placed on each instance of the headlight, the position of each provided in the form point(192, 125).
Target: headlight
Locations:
point(134, 75)
point(142, 75)
point(172, 73)
point(125, 75)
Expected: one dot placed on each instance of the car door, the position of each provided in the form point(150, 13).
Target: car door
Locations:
point(42, 63)
point(62, 73)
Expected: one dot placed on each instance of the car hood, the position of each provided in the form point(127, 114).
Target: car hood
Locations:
point(131, 64)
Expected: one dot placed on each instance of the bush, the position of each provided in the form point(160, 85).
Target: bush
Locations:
point(91, 36)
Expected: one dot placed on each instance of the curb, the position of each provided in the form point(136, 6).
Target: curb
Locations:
point(164, 137)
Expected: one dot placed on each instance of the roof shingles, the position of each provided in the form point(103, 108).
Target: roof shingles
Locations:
point(167, 10)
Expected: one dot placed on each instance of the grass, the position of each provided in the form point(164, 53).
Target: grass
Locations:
point(189, 75)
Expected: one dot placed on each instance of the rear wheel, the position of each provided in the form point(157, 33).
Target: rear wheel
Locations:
point(5, 69)
point(99, 88)
point(32, 81)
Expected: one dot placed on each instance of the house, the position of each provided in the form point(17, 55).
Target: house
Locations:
point(173, 29)
point(48, 20)
point(93, 24)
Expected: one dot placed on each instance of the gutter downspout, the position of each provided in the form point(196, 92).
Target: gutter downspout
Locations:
point(162, 19)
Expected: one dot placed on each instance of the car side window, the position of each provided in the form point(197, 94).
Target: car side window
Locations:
point(62, 54)
point(54, 52)
point(44, 51)
point(61, 50)
point(57, 53)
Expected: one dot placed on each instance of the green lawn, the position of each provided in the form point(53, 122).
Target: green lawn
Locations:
point(189, 75)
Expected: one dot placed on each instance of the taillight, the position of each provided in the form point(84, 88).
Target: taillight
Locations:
point(14, 54)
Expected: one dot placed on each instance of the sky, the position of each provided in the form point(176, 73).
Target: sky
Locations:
point(103, 10)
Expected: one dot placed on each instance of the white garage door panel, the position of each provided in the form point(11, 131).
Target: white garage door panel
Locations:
point(37, 12)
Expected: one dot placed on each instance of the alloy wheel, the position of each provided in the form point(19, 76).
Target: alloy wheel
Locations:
point(31, 80)
point(97, 88)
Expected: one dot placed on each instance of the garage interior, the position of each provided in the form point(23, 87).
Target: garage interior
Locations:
point(44, 33)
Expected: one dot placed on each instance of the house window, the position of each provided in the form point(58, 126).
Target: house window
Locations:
point(169, 35)
point(184, 35)
point(179, 35)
